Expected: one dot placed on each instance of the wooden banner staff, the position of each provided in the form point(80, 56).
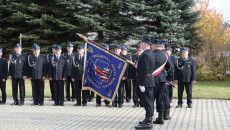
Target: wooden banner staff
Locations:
point(86, 39)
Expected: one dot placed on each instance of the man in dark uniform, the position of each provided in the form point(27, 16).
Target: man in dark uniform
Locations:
point(3, 76)
point(133, 78)
point(69, 56)
point(161, 58)
point(98, 98)
point(173, 61)
point(77, 73)
point(37, 64)
point(169, 78)
point(120, 99)
point(49, 57)
point(18, 73)
point(185, 76)
point(57, 73)
point(126, 82)
point(146, 83)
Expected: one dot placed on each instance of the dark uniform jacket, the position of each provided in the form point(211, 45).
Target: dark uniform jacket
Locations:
point(77, 68)
point(171, 76)
point(37, 66)
point(168, 68)
point(160, 59)
point(145, 68)
point(18, 65)
point(132, 70)
point(49, 57)
point(3, 68)
point(58, 68)
point(185, 70)
point(69, 59)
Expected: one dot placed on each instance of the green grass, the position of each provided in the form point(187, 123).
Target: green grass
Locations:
point(206, 90)
point(209, 90)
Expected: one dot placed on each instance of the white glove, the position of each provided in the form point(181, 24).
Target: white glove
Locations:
point(142, 88)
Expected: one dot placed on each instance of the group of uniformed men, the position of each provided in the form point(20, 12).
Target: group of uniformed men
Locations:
point(151, 56)
point(157, 70)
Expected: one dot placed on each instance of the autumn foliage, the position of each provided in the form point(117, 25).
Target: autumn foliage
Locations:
point(215, 38)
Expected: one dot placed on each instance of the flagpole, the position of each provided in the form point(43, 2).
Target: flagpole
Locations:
point(20, 37)
point(86, 39)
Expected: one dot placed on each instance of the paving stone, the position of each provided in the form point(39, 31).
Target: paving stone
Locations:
point(206, 114)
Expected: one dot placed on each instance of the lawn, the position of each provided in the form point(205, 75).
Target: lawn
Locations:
point(207, 90)
point(216, 90)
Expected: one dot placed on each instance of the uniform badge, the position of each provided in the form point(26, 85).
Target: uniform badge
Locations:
point(20, 61)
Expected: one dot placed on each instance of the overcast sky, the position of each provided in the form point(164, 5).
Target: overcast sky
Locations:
point(222, 7)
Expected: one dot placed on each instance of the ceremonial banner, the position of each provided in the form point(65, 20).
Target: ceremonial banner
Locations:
point(103, 71)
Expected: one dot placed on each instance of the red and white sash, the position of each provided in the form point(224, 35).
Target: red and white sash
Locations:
point(158, 70)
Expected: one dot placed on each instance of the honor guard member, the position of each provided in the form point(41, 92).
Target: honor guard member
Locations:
point(37, 64)
point(69, 56)
point(3, 76)
point(120, 99)
point(49, 57)
point(98, 98)
point(146, 83)
point(133, 78)
point(126, 82)
point(160, 58)
point(185, 76)
point(169, 78)
point(77, 73)
point(173, 61)
point(58, 73)
point(18, 73)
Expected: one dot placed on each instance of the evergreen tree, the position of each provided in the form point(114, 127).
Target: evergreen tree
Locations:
point(39, 21)
point(171, 20)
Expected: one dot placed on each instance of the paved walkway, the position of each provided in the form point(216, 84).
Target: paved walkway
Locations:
point(205, 115)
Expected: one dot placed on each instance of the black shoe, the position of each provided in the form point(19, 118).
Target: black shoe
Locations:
point(84, 104)
point(41, 104)
point(167, 115)
point(179, 105)
point(114, 105)
point(159, 120)
point(190, 106)
point(55, 104)
point(127, 100)
point(33, 104)
point(73, 100)
point(98, 105)
point(120, 105)
point(77, 104)
point(146, 124)
point(62, 104)
point(21, 103)
point(67, 99)
point(3, 103)
point(135, 105)
point(14, 103)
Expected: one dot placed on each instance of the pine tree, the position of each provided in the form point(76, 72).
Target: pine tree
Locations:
point(39, 21)
point(106, 18)
point(171, 20)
